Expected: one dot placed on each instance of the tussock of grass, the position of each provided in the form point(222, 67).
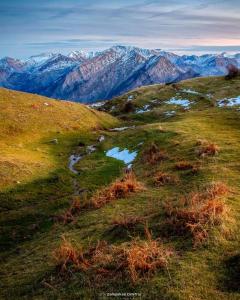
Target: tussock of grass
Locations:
point(208, 149)
point(127, 221)
point(69, 255)
point(69, 215)
point(137, 260)
point(118, 189)
point(185, 165)
point(153, 154)
point(198, 213)
point(161, 179)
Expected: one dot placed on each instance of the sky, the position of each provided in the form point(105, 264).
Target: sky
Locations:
point(30, 27)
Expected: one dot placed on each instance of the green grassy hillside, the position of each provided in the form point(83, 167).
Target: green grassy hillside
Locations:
point(169, 232)
point(28, 125)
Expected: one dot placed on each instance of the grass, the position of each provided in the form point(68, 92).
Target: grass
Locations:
point(198, 213)
point(30, 123)
point(117, 190)
point(106, 250)
point(136, 260)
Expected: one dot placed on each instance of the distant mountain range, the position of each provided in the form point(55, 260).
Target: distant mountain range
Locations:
point(88, 77)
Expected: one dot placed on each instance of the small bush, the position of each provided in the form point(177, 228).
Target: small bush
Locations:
point(233, 72)
point(128, 107)
point(161, 179)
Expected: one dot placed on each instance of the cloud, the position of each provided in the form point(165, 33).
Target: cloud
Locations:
point(65, 24)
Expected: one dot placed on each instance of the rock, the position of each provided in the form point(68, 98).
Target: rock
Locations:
point(101, 138)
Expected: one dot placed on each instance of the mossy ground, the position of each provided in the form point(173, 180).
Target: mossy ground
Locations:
point(30, 234)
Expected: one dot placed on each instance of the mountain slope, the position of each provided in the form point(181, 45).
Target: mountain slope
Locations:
point(88, 77)
point(175, 235)
point(29, 123)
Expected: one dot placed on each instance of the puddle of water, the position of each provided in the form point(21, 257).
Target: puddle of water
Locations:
point(228, 102)
point(177, 101)
point(122, 128)
point(73, 160)
point(124, 155)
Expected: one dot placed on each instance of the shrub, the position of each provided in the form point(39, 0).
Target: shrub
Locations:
point(233, 72)
point(128, 107)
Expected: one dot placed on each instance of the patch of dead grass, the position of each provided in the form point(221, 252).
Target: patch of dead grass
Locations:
point(198, 213)
point(118, 189)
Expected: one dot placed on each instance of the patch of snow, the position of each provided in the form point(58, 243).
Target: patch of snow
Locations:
point(73, 159)
point(46, 104)
point(209, 96)
point(118, 129)
point(124, 155)
point(170, 113)
point(97, 104)
point(130, 98)
point(228, 102)
point(143, 110)
point(178, 101)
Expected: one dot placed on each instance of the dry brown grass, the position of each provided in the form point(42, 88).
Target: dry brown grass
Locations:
point(68, 255)
point(127, 222)
point(184, 165)
point(198, 213)
point(135, 260)
point(145, 258)
point(69, 216)
point(118, 189)
point(161, 179)
point(153, 154)
point(208, 149)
